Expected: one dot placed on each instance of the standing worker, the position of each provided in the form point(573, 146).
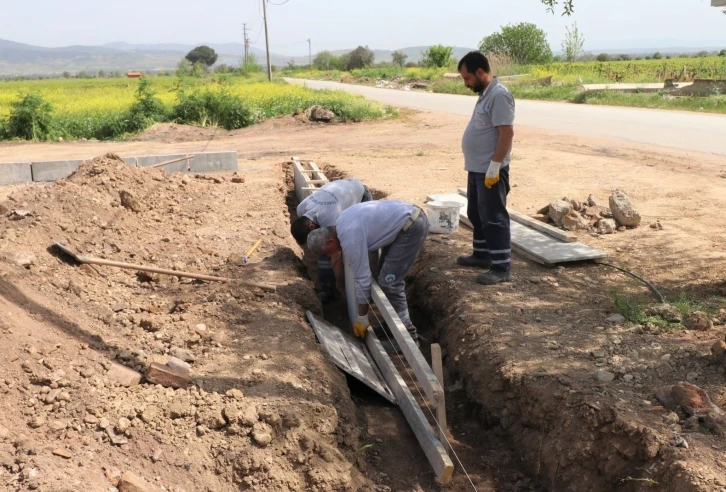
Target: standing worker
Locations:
point(322, 209)
point(487, 147)
point(399, 229)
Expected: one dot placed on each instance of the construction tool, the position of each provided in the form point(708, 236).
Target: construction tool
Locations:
point(130, 266)
point(246, 258)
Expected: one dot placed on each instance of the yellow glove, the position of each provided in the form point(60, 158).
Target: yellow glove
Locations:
point(360, 327)
point(492, 176)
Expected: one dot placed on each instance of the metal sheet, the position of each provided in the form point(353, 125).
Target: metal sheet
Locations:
point(350, 355)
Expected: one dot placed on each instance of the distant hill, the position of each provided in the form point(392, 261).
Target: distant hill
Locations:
point(24, 59)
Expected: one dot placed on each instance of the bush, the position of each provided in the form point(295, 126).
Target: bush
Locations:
point(524, 42)
point(437, 56)
point(603, 57)
point(210, 108)
point(146, 110)
point(30, 119)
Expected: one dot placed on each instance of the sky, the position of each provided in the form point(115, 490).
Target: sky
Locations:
point(342, 24)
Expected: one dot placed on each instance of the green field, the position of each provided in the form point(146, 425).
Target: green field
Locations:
point(567, 80)
point(112, 108)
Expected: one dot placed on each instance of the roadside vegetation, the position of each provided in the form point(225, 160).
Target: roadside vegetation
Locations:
point(522, 49)
point(112, 108)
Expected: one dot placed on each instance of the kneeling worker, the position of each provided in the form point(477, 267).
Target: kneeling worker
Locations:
point(322, 209)
point(399, 229)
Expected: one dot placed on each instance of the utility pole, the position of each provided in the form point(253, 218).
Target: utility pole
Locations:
point(247, 44)
point(310, 53)
point(267, 41)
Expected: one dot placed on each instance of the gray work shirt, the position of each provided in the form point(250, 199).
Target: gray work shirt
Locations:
point(495, 107)
point(325, 205)
point(367, 227)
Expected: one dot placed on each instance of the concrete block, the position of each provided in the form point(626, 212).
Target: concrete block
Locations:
point(15, 173)
point(177, 167)
point(170, 377)
point(131, 161)
point(47, 171)
point(209, 162)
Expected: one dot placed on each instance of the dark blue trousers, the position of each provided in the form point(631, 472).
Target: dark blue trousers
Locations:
point(487, 211)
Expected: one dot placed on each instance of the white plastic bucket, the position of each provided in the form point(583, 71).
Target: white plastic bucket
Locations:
point(443, 217)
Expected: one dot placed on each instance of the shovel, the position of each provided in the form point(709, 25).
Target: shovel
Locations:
point(130, 266)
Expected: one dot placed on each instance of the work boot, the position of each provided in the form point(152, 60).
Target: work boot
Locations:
point(473, 261)
point(493, 277)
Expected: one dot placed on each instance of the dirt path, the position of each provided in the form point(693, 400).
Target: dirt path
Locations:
point(522, 353)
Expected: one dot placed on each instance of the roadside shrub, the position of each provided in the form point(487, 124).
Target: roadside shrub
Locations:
point(210, 108)
point(30, 119)
point(146, 110)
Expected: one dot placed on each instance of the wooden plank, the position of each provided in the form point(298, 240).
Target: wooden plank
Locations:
point(318, 181)
point(565, 236)
point(542, 227)
point(425, 375)
point(350, 298)
point(438, 367)
point(350, 355)
point(432, 447)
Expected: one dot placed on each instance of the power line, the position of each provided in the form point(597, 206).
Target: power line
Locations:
point(278, 4)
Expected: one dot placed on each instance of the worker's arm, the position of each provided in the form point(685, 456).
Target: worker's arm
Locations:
point(356, 256)
point(502, 114)
point(504, 144)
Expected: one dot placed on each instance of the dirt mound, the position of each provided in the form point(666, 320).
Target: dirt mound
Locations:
point(265, 410)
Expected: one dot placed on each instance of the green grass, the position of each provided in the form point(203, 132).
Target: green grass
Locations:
point(634, 308)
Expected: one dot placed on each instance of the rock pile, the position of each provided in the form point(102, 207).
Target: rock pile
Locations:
point(592, 215)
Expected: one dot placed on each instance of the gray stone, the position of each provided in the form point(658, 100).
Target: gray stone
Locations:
point(593, 201)
point(599, 354)
point(628, 378)
point(623, 210)
point(574, 221)
point(319, 113)
point(15, 173)
point(664, 369)
point(47, 171)
point(183, 354)
point(558, 210)
point(604, 377)
point(177, 363)
point(691, 377)
point(208, 162)
point(616, 319)
point(606, 226)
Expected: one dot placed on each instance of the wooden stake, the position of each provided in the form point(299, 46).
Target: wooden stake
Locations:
point(438, 368)
point(162, 164)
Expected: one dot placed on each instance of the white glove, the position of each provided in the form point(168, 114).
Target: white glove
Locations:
point(360, 327)
point(492, 176)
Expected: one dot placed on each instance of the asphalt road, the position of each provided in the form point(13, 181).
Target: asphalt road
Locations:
point(676, 129)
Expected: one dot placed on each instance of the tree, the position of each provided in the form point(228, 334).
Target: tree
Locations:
point(702, 54)
point(722, 53)
point(437, 56)
point(657, 56)
point(322, 60)
point(603, 57)
point(184, 67)
point(251, 65)
point(66, 75)
point(399, 58)
point(202, 54)
point(552, 4)
point(524, 42)
point(361, 57)
point(573, 43)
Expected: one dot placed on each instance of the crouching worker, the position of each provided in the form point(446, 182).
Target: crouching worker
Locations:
point(397, 228)
point(322, 209)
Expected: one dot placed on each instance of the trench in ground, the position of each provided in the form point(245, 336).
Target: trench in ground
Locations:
point(391, 454)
